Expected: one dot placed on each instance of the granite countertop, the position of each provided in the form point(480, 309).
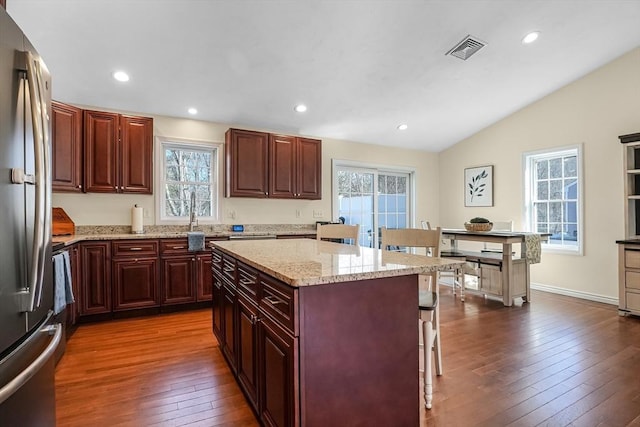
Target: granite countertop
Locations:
point(118, 233)
point(306, 262)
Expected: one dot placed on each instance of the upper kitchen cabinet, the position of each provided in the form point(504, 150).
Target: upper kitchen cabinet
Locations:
point(265, 165)
point(295, 167)
point(118, 153)
point(66, 141)
point(247, 163)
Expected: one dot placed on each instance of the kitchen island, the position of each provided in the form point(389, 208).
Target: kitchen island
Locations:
point(321, 333)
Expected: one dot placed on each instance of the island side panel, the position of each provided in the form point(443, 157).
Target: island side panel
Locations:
point(359, 353)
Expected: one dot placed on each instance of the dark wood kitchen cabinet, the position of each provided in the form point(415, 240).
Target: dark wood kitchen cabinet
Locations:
point(136, 274)
point(248, 348)
point(186, 276)
point(177, 280)
point(204, 279)
point(118, 153)
point(278, 362)
point(66, 144)
point(95, 286)
point(263, 165)
point(247, 163)
point(254, 322)
point(295, 170)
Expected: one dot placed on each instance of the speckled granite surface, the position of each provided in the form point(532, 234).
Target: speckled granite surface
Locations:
point(118, 232)
point(305, 262)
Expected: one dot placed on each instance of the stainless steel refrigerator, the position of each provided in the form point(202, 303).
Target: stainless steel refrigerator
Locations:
point(28, 335)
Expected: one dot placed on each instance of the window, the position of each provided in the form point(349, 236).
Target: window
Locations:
point(185, 168)
point(372, 197)
point(553, 197)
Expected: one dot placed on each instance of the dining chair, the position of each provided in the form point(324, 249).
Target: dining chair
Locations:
point(427, 298)
point(338, 231)
point(457, 276)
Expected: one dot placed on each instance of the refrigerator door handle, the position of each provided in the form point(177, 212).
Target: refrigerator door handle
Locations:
point(42, 222)
point(19, 380)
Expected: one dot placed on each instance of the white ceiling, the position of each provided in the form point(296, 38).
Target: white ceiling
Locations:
point(362, 66)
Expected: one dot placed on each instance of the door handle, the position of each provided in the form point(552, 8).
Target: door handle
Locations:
point(31, 297)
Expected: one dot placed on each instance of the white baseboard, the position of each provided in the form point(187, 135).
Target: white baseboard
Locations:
point(577, 294)
point(447, 281)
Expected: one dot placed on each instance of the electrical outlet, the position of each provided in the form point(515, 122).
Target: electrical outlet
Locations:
point(231, 214)
point(298, 213)
point(317, 214)
point(145, 213)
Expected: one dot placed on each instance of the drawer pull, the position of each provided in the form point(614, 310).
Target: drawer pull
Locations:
point(228, 269)
point(178, 247)
point(274, 301)
point(246, 282)
point(135, 249)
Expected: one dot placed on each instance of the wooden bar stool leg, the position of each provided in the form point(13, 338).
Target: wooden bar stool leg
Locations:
point(428, 338)
point(436, 340)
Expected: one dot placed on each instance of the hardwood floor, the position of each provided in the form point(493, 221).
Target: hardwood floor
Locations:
point(161, 370)
point(555, 362)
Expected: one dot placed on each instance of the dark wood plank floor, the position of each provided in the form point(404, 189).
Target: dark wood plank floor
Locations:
point(555, 362)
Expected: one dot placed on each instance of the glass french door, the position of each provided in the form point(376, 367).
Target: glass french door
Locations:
point(372, 198)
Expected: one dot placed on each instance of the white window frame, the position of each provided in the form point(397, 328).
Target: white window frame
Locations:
point(216, 148)
point(528, 160)
point(375, 169)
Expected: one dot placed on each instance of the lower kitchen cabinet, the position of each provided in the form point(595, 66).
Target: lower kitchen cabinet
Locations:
point(248, 348)
point(204, 279)
point(186, 276)
point(261, 352)
point(278, 360)
point(135, 283)
point(218, 299)
point(229, 322)
point(95, 286)
point(177, 280)
point(135, 274)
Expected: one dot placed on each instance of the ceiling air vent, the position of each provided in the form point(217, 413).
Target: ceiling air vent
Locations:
point(467, 47)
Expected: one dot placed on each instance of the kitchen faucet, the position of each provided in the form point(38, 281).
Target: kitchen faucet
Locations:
point(192, 215)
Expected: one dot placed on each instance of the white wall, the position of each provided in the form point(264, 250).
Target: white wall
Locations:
point(592, 111)
point(114, 209)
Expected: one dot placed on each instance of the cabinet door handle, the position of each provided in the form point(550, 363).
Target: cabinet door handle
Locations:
point(274, 301)
point(245, 282)
point(255, 319)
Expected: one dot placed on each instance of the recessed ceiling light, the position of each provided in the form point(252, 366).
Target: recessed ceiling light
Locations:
point(192, 111)
point(402, 127)
point(121, 76)
point(531, 37)
point(300, 108)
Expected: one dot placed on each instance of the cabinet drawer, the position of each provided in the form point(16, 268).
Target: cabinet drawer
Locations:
point(279, 301)
point(173, 246)
point(229, 268)
point(632, 279)
point(632, 259)
point(633, 301)
point(248, 281)
point(134, 248)
point(216, 260)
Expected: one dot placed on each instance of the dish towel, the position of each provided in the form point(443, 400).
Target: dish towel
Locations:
point(63, 292)
point(196, 240)
point(533, 248)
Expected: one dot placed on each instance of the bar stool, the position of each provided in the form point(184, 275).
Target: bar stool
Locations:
point(427, 299)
